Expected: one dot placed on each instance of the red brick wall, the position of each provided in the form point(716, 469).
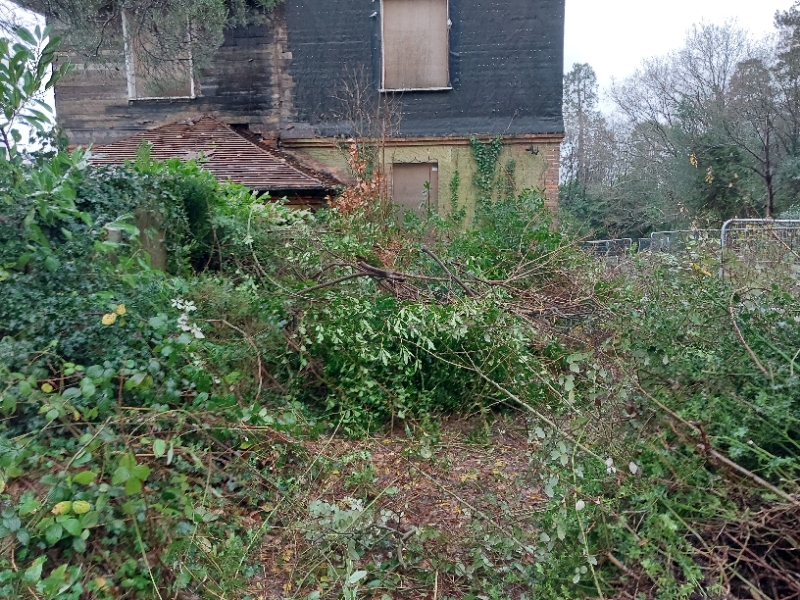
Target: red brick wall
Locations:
point(551, 175)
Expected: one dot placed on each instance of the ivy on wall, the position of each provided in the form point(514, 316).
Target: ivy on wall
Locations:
point(491, 181)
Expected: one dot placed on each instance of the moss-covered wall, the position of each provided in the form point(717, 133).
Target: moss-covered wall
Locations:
point(535, 164)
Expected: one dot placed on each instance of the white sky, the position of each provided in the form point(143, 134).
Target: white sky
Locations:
point(614, 36)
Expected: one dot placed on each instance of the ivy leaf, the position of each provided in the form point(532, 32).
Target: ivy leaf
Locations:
point(9, 408)
point(33, 573)
point(121, 475)
point(12, 523)
point(53, 534)
point(52, 264)
point(62, 508)
point(81, 507)
point(159, 448)
point(141, 472)
point(84, 477)
point(72, 527)
point(133, 486)
point(30, 505)
point(87, 387)
point(23, 537)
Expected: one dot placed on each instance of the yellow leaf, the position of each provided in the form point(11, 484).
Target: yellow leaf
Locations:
point(100, 582)
point(47, 388)
point(62, 508)
point(109, 319)
point(121, 310)
point(81, 507)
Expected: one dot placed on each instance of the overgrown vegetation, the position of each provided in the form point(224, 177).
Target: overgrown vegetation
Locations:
point(337, 405)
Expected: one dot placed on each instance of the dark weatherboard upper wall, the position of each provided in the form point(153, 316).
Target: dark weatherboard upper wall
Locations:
point(506, 62)
point(92, 103)
point(287, 77)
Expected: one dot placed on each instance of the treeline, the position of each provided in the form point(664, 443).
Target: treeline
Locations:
point(706, 133)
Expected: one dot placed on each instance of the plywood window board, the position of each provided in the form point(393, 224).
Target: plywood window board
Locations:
point(415, 44)
point(415, 186)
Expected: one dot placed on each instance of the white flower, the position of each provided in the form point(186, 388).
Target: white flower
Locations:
point(634, 468)
point(610, 468)
point(183, 322)
point(580, 505)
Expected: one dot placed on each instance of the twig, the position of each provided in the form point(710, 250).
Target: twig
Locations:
point(723, 459)
point(252, 345)
point(741, 338)
point(452, 275)
point(614, 561)
point(144, 557)
point(334, 282)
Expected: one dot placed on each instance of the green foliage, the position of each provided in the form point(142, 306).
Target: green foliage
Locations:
point(686, 147)
point(25, 73)
point(491, 182)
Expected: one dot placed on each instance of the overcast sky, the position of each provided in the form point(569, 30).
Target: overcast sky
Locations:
point(614, 36)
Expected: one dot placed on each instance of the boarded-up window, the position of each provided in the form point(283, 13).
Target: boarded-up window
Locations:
point(157, 65)
point(415, 44)
point(415, 186)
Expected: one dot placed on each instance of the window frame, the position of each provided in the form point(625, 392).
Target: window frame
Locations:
point(383, 87)
point(130, 70)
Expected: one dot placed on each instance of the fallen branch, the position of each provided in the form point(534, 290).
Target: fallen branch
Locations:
point(334, 282)
point(708, 449)
point(452, 275)
point(752, 354)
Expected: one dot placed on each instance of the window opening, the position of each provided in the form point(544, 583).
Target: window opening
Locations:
point(151, 74)
point(415, 36)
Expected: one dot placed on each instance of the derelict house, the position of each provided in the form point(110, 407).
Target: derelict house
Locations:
point(421, 75)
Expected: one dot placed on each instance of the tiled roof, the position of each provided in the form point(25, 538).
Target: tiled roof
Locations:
point(229, 156)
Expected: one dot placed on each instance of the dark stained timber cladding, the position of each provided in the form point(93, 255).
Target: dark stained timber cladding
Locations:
point(237, 86)
point(506, 69)
point(331, 41)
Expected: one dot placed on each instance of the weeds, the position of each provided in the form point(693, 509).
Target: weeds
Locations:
point(335, 405)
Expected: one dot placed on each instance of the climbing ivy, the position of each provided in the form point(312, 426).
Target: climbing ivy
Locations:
point(457, 211)
point(486, 156)
point(491, 181)
point(507, 179)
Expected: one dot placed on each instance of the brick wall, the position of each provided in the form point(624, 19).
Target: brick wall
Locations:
point(551, 175)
